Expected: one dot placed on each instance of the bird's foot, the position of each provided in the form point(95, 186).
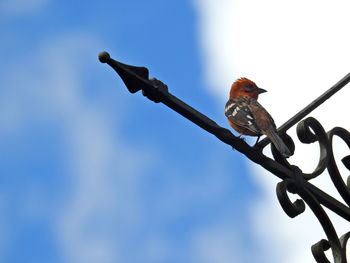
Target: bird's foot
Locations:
point(257, 146)
point(257, 140)
point(242, 138)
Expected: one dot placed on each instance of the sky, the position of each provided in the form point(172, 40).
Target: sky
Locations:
point(92, 173)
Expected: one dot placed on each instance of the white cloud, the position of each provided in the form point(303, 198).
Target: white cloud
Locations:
point(106, 179)
point(104, 191)
point(296, 50)
point(10, 8)
point(217, 243)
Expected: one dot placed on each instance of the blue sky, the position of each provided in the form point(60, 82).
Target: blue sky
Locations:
point(91, 173)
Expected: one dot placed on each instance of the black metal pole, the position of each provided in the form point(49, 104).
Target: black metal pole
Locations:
point(293, 179)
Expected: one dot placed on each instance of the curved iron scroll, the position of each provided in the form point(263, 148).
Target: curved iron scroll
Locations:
point(294, 180)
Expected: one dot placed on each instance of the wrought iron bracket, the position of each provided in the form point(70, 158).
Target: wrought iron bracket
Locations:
point(294, 181)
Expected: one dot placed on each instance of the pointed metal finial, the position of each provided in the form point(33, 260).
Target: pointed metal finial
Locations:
point(135, 78)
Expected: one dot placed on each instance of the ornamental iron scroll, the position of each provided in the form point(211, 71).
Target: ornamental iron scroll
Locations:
point(294, 181)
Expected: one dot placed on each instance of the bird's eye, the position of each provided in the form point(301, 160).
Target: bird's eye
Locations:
point(249, 88)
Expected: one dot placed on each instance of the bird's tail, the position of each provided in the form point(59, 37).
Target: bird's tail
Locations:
point(279, 144)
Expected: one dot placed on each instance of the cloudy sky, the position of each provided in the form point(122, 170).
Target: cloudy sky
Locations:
point(91, 173)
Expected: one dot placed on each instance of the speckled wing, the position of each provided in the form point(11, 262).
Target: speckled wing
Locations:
point(239, 112)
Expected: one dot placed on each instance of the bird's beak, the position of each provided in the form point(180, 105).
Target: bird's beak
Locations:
point(261, 90)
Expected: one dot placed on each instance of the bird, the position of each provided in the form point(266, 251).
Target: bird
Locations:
point(246, 116)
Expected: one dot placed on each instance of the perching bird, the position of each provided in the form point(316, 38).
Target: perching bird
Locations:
point(248, 117)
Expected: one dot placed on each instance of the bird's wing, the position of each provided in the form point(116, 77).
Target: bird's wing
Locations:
point(241, 115)
point(262, 117)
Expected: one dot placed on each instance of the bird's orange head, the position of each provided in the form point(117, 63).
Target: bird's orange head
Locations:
point(245, 87)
